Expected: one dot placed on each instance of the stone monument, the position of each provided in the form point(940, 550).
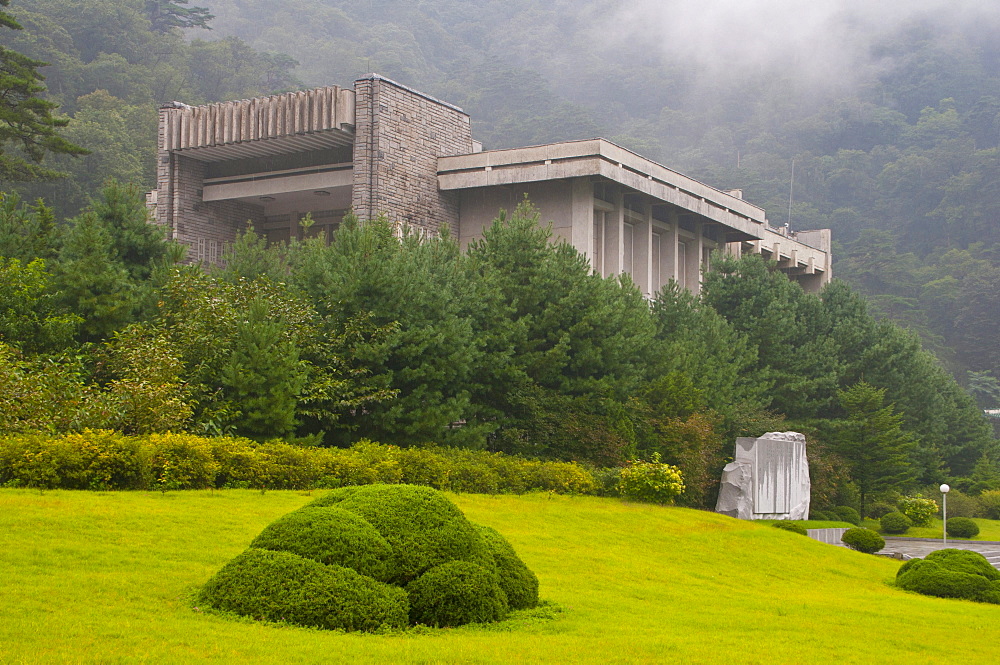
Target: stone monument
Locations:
point(767, 480)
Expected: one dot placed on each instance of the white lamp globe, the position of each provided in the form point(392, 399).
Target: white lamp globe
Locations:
point(945, 488)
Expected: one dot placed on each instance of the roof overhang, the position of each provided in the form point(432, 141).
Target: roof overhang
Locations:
point(601, 158)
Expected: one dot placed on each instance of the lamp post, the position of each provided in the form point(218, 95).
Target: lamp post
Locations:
point(944, 513)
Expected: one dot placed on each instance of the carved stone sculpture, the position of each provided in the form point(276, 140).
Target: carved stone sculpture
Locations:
point(768, 479)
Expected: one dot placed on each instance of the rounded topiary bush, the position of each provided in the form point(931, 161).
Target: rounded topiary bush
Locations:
point(332, 498)
point(281, 586)
point(962, 527)
point(423, 528)
point(518, 583)
point(329, 535)
point(794, 527)
point(895, 523)
point(931, 578)
point(863, 540)
point(964, 561)
point(848, 514)
point(456, 593)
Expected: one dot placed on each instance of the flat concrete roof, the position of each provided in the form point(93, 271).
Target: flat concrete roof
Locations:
point(599, 157)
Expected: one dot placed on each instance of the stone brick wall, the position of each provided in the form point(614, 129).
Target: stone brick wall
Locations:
point(206, 228)
point(399, 135)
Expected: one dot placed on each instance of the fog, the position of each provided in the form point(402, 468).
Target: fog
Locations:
point(811, 40)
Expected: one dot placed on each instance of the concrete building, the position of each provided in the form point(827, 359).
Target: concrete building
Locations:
point(385, 149)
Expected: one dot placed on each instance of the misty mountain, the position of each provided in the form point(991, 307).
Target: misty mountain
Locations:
point(878, 120)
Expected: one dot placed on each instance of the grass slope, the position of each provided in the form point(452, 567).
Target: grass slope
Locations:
point(988, 530)
point(105, 577)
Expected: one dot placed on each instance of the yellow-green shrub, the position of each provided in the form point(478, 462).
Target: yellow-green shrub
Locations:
point(101, 459)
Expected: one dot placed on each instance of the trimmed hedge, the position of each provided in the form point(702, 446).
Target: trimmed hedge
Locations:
point(454, 594)
point(307, 566)
point(99, 459)
point(280, 586)
point(518, 582)
point(962, 527)
point(331, 536)
point(423, 528)
point(964, 561)
point(863, 540)
point(940, 577)
point(895, 523)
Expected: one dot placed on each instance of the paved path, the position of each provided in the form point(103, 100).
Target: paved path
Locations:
point(921, 547)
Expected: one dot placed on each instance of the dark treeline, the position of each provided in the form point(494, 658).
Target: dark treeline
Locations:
point(514, 346)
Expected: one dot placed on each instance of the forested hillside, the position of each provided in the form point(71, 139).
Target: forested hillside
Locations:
point(880, 123)
point(883, 126)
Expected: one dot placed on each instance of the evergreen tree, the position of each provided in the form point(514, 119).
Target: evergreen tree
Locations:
point(166, 15)
point(27, 124)
point(91, 282)
point(873, 443)
point(564, 349)
point(796, 356)
point(263, 375)
point(27, 232)
point(412, 290)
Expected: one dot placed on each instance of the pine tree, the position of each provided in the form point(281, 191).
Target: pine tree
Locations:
point(27, 124)
point(166, 15)
point(873, 442)
point(263, 376)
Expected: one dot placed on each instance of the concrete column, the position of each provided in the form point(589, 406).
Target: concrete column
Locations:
point(642, 258)
point(614, 237)
point(694, 255)
point(582, 217)
point(670, 251)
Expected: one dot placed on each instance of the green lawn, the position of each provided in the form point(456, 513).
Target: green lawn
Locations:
point(105, 578)
point(988, 530)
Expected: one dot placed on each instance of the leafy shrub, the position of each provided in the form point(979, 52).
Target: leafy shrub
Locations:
point(847, 514)
point(183, 461)
point(107, 460)
point(961, 504)
point(794, 527)
point(895, 523)
point(652, 481)
point(331, 536)
point(880, 508)
point(281, 586)
point(519, 584)
point(937, 578)
point(863, 540)
point(606, 480)
point(961, 527)
point(421, 525)
point(920, 510)
point(822, 516)
point(989, 504)
point(454, 594)
point(964, 561)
